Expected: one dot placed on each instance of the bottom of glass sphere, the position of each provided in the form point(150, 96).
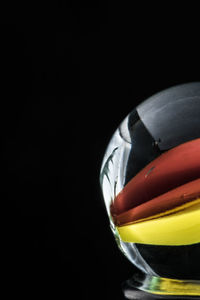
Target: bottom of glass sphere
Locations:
point(143, 286)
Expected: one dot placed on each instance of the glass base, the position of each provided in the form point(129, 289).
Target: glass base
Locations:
point(147, 287)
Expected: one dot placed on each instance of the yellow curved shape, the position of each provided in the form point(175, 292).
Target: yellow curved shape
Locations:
point(168, 286)
point(181, 228)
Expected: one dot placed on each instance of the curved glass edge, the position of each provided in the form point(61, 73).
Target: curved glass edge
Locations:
point(112, 173)
point(165, 286)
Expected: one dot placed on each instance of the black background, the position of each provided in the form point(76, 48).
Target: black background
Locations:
point(69, 75)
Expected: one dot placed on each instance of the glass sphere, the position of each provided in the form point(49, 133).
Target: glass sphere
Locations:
point(150, 179)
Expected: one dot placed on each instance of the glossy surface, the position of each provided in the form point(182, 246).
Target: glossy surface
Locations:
point(151, 287)
point(150, 179)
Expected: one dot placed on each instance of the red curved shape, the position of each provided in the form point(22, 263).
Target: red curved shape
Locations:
point(172, 169)
point(174, 198)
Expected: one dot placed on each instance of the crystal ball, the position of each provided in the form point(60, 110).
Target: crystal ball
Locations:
point(150, 180)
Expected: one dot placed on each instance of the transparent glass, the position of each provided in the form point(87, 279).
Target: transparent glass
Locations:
point(150, 180)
